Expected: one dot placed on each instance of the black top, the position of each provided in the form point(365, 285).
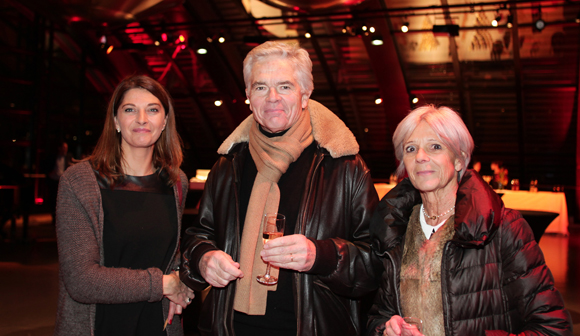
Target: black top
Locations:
point(280, 318)
point(140, 231)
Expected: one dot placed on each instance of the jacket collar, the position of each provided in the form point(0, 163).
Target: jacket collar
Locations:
point(478, 213)
point(327, 129)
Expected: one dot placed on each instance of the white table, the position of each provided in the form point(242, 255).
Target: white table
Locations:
point(523, 200)
point(540, 201)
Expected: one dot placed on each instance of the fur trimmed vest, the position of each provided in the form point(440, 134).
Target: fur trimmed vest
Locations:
point(421, 274)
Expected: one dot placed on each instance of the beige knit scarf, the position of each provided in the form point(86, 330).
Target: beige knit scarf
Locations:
point(272, 157)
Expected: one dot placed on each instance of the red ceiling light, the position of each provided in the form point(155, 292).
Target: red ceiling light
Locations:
point(164, 37)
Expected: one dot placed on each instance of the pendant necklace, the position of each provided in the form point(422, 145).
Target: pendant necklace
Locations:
point(435, 216)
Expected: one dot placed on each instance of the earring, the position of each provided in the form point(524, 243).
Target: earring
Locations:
point(118, 130)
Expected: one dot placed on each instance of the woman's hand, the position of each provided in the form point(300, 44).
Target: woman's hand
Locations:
point(173, 309)
point(396, 326)
point(176, 291)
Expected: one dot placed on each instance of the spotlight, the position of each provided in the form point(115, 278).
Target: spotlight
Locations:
point(164, 37)
point(103, 41)
point(247, 101)
point(181, 38)
point(495, 22)
point(110, 49)
point(308, 34)
point(365, 28)
point(578, 18)
point(221, 39)
point(202, 51)
point(372, 29)
point(378, 100)
point(510, 21)
point(377, 40)
point(540, 24)
point(405, 27)
point(218, 102)
point(415, 100)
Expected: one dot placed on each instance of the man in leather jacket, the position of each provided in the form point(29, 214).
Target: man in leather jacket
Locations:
point(324, 189)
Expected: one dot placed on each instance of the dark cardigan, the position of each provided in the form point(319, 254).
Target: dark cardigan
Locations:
point(83, 281)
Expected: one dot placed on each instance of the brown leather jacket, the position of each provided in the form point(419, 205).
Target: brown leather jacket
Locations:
point(493, 276)
point(337, 205)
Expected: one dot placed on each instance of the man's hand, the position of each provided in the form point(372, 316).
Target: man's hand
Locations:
point(218, 268)
point(294, 252)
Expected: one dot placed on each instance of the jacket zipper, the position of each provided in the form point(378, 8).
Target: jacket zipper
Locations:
point(399, 308)
point(444, 294)
point(302, 230)
point(237, 247)
point(169, 267)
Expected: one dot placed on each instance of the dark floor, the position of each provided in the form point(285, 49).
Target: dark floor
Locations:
point(29, 276)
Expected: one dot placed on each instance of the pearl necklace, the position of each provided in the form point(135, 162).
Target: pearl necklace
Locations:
point(441, 215)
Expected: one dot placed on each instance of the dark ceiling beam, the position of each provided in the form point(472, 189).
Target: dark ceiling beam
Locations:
point(361, 138)
point(576, 108)
point(465, 109)
point(519, 91)
point(388, 71)
point(214, 141)
point(327, 75)
point(227, 82)
point(371, 13)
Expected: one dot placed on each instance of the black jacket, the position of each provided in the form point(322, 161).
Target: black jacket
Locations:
point(336, 208)
point(493, 276)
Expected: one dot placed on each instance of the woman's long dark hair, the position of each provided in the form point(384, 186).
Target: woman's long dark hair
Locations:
point(107, 156)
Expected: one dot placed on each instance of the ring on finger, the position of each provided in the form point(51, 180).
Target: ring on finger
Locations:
point(187, 300)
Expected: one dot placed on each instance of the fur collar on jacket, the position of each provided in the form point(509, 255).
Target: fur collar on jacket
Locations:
point(478, 213)
point(328, 130)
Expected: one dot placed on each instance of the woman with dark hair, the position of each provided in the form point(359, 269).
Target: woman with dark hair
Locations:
point(119, 219)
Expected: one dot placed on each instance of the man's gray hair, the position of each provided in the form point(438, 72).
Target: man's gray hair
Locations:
point(299, 57)
point(448, 126)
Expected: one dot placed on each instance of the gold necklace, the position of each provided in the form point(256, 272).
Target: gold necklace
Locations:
point(434, 216)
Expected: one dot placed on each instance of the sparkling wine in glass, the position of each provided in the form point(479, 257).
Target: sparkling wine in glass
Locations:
point(272, 228)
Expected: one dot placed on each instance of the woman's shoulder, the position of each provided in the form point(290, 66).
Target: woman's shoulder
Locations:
point(82, 169)
point(80, 174)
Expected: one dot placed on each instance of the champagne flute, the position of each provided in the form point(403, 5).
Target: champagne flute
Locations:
point(272, 228)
